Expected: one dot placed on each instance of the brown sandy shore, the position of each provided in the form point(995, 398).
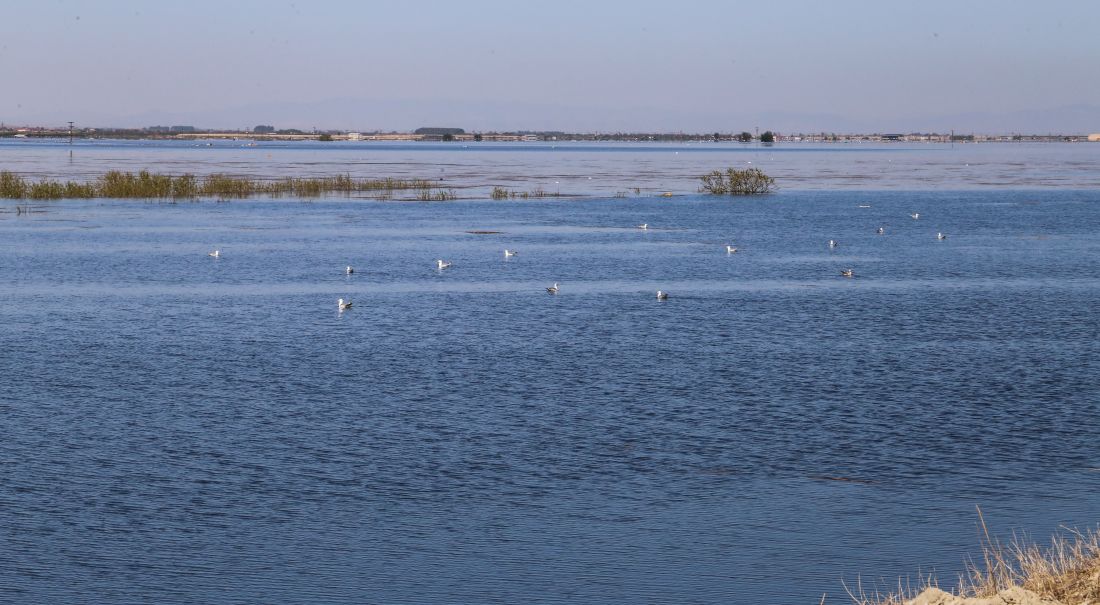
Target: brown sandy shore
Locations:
point(1014, 596)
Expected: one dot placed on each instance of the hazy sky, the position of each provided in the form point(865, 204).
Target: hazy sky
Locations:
point(562, 64)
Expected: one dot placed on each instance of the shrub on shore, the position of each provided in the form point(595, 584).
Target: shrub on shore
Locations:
point(751, 181)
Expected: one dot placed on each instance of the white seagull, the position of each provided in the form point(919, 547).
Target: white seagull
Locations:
point(644, 226)
point(915, 215)
point(941, 236)
point(508, 253)
point(847, 273)
point(442, 264)
point(662, 295)
point(343, 304)
point(215, 253)
point(349, 270)
point(832, 243)
point(553, 289)
point(880, 231)
point(730, 249)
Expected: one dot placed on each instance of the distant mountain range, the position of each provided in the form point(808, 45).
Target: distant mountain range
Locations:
point(408, 114)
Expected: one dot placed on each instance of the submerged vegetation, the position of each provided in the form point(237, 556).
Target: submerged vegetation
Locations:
point(438, 195)
point(1065, 573)
point(146, 185)
point(500, 193)
point(751, 181)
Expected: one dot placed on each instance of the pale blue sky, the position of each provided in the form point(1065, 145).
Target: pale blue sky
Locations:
point(567, 64)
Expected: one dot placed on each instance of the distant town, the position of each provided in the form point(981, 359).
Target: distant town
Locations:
point(447, 134)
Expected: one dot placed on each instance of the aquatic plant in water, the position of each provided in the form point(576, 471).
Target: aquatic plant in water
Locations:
point(751, 181)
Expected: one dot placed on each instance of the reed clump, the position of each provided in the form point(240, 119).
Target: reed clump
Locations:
point(12, 187)
point(1065, 572)
point(223, 186)
point(751, 181)
point(147, 185)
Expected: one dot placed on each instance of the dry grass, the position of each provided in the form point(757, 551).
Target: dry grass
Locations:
point(1068, 570)
point(904, 591)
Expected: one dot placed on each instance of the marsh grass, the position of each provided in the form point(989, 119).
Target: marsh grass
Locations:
point(147, 185)
point(1068, 570)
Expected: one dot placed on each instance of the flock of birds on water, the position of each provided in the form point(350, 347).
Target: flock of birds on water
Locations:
point(441, 264)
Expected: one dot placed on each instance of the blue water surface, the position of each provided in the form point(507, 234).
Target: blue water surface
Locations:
point(178, 428)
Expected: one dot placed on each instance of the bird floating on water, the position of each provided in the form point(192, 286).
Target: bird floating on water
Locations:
point(880, 231)
point(343, 304)
point(847, 273)
point(349, 270)
point(553, 289)
point(941, 236)
point(915, 215)
point(662, 295)
point(442, 264)
point(508, 253)
point(832, 243)
point(215, 253)
point(730, 249)
point(644, 226)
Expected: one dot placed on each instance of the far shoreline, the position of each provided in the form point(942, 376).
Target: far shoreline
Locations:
point(188, 133)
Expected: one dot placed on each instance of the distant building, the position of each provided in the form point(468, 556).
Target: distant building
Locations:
point(1095, 137)
point(354, 136)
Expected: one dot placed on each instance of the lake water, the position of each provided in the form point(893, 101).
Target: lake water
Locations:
point(183, 429)
point(582, 168)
